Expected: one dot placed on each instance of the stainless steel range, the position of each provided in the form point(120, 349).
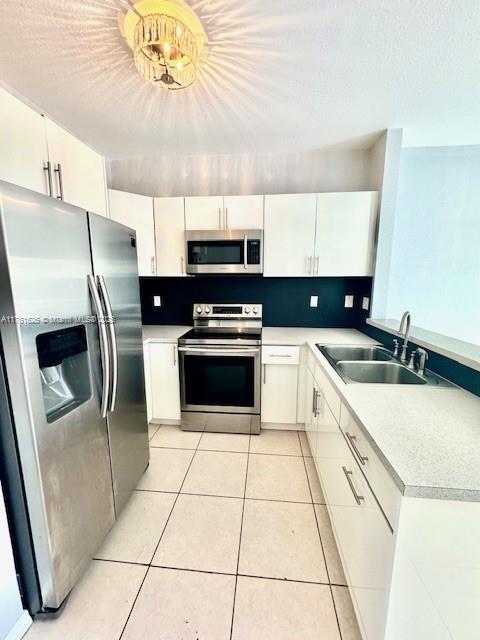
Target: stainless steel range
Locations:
point(220, 369)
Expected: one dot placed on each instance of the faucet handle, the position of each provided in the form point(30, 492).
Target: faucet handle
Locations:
point(396, 345)
point(411, 363)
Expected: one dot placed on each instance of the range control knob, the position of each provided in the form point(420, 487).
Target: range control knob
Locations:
point(247, 310)
point(207, 309)
point(256, 310)
point(199, 309)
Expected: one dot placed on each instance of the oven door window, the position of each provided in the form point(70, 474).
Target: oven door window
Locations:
point(219, 381)
point(216, 252)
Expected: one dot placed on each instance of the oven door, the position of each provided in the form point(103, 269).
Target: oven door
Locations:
point(220, 379)
point(224, 251)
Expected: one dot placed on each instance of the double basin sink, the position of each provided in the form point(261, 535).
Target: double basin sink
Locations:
point(375, 365)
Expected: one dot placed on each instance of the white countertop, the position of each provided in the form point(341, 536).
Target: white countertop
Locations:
point(301, 335)
point(427, 437)
point(163, 332)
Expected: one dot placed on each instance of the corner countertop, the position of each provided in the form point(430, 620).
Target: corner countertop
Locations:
point(427, 437)
point(163, 332)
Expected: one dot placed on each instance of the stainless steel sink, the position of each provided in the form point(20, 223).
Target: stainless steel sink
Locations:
point(379, 373)
point(375, 365)
point(337, 353)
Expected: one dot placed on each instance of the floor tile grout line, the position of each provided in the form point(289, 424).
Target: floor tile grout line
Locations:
point(240, 538)
point(321, 544)
point(158, 544)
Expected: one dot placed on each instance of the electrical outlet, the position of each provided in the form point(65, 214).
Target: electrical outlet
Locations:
point(314, 301)
point(348, 302)
point(157, 301)
point(365, 303)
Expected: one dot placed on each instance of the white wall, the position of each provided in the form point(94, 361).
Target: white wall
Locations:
point(323, 170)
point(435, 258)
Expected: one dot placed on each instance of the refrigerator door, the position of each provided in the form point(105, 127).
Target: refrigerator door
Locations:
point(54, 375)
point(114, 258)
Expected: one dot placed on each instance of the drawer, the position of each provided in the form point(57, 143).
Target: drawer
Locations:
point(365, 541)
point(384, 488)
point(328, 391)
point(272, 354)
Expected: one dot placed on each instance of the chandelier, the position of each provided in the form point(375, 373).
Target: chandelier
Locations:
point(167, 39)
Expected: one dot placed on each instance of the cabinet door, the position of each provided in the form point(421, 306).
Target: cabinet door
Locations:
point(170, 236)
point(82, 170)
point(204, 213)
point(310, 390)
point(289, 240)
point(279, 393)
point(148, 380)
point(23, 145)
point(243, 212)
point(136, 212)
point(165, 382)
point(345, 237)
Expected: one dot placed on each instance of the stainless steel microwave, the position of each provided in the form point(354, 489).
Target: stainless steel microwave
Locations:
point(224, 251)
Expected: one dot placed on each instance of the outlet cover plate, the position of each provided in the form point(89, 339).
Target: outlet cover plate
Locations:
point(314, 301)
point(157, 301)
point(348, 302)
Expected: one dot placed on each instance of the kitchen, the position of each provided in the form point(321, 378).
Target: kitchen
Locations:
point(239, 331)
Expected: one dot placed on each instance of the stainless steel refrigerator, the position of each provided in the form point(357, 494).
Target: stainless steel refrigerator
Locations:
point(73, 424)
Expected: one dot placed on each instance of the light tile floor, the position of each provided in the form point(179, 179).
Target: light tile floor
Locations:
point(226, 538)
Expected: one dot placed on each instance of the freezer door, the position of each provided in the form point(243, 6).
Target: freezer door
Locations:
point(54, 375)
point(115, 266)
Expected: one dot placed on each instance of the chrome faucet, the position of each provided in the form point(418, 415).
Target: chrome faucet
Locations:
point(404, 331)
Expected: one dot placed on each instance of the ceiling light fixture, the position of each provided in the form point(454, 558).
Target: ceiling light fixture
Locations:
point(167, 39)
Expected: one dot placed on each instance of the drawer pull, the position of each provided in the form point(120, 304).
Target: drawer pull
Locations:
point(348, 474)
point(281, 355)
point(352, 440)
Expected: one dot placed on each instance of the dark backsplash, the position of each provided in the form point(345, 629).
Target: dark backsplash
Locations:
point(286, 301)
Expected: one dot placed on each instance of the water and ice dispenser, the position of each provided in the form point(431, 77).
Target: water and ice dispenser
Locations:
point(64, 370)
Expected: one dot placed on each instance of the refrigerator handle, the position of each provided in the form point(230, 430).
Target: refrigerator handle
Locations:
point(102, 330)
point(113, 341)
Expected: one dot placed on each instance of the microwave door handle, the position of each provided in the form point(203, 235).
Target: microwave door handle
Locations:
point(245, 247)
point(104, 355)
point(113, 342)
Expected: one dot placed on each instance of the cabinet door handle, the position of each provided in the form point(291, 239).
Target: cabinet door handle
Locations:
point(317, 265)
point(152, 264)
point(281, 355)
point(348, 475)
point(182, 267)
point(58, 171)
point(226, 218)
point(219, 218)
point(352, 440)
point(174, 355)
point(47, 167)
point(264, 374)
point(314, 399)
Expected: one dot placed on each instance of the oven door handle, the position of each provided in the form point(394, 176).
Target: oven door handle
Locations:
point(216, 352)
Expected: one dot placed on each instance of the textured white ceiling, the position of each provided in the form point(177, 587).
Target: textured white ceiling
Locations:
point(281, 75)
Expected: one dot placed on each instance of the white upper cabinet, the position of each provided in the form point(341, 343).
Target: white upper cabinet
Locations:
point(345, 237)
point(204, 213)
point(78, 172)
point(289, 240)
point(243, 212)
point(170, 236)
point(136, 212)
point(23, 144)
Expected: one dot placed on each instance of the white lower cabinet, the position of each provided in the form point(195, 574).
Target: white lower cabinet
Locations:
point(279, 384)
point(164, 381)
